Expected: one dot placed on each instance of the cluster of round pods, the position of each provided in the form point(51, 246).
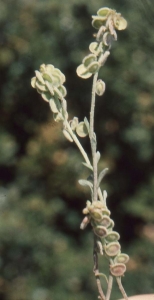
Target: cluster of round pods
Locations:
point(107, 239)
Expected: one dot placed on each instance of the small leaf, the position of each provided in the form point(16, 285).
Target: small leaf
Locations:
point(60, 75)
point(81, 129)
point(101, 175)
point(67, 135)
point(50, 87)
point(48, 77)
point(33, 82)
point(88, 166)
point(84, 182)
point(98, 155)
point(46, 96)
point(39, 77)
point(53, 105)
point(62, 90)
point(86, 123)
point(49, 68)
point(40, 87)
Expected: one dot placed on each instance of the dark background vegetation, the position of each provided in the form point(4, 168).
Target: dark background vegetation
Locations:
point(43, 253)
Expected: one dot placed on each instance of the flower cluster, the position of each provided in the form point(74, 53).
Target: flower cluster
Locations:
point(106, 16)
point(49, 83)
point(99, 217)
point(106, 22)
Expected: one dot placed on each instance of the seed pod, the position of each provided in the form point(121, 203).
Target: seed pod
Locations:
point(105, 221)
point(83, 72)
point(89, 59)
point(93, 67)
point(96, 215)
point(112, 249)
point(74, 123)
point(121, 258)
point(111, 225)
point(100, 87)
point(118, 269)
point(81, 129)
point(112, 237)
point(95, 48)
point(100, 231)
point(98, 21)
point(104, 12)
point(119, 22)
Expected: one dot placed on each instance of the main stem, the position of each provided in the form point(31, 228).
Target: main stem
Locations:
point(92, 137)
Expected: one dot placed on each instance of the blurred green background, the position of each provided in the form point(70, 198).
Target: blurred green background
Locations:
point(43, 253)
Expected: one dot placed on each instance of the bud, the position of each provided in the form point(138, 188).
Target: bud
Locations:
point(81, 129)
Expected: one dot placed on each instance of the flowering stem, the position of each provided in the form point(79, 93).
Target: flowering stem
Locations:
point(92, 137)
point(96, 271)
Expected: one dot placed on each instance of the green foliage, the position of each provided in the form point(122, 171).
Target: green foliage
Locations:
point(43, 253)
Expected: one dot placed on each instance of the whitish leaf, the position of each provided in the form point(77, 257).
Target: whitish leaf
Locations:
point(53, 105)
point(98, 155)
point(88, 166)
point(67, 135)
point(101, 175)
point(33, 82)
point(84, 182)
point(86, 123)
point(39, 77)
